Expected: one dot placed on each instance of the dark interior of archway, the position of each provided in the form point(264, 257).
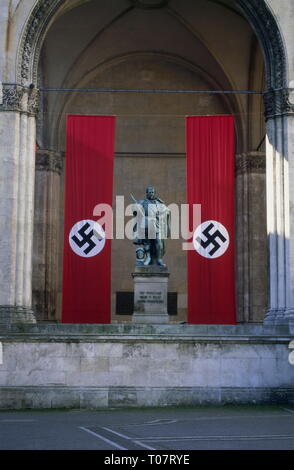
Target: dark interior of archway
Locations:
point(185, 45)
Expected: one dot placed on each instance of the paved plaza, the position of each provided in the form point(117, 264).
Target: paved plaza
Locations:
point(160, 429)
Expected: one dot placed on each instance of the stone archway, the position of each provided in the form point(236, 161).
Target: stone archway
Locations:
point(256, 12)
point(277, 108)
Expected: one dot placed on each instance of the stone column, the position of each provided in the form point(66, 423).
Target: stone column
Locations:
point(251, 243)
point(280, 224)
point(290, 139)
point(242, 239)
point(17, 165)
point(46, 233)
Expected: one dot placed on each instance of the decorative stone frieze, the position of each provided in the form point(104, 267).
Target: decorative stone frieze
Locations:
point(33, 101)
point(12, 98)
point(278, 102)
point(20, 99)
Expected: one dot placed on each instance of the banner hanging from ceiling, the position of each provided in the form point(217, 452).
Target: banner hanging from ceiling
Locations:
point(210, 182)
point(87, 249)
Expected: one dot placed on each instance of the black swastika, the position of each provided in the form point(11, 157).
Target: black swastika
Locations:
point(86, 238)
point(211, 239)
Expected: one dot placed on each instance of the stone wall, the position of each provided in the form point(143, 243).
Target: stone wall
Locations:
point(100, 366)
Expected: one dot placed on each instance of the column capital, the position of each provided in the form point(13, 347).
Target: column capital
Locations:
point(250, 162)
point(278, 102)
point(49, 160)
point(19, 98)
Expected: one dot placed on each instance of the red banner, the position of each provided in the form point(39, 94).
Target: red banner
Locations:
point(87, 252)
point(210, 182)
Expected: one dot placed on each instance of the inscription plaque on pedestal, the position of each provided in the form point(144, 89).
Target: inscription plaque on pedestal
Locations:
point(150, 294)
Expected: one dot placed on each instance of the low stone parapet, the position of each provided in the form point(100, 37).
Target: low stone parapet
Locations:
point(100, 366)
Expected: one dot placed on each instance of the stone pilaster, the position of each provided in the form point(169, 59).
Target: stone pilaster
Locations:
point(280, 198)
point(18, 106)
point(46, 233)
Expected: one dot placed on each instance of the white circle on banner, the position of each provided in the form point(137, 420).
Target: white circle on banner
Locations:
point(211, 239)
point(87, 238)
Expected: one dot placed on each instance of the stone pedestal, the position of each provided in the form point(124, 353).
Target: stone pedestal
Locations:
point(150, 294)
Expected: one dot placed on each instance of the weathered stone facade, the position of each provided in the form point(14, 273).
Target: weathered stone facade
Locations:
point(233, 45)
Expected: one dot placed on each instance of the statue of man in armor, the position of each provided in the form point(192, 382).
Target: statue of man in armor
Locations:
point(152, 227)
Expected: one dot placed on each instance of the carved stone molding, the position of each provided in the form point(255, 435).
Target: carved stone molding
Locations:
point(33, 101)
point(264, 24)
point(252, 162)
point(32, 39)
point(49, 160)
point(19, 99)
point(278, 102)
point(12, 98)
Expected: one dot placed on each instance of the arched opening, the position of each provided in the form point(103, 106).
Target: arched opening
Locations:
point(208, 45)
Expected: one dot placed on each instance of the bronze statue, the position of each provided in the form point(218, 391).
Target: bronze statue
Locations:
point(152, 227)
